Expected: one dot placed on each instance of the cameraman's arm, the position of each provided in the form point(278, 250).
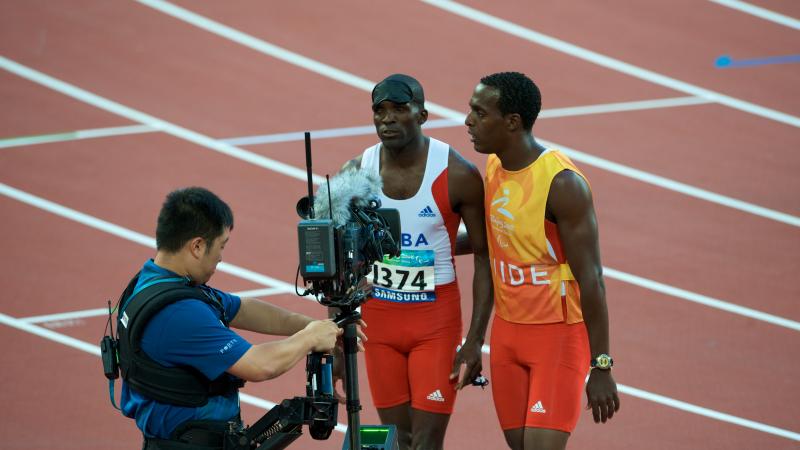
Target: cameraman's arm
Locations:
point(262, 317)
point(271, 359)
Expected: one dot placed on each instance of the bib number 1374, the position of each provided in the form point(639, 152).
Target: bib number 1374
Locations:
point(403, 278)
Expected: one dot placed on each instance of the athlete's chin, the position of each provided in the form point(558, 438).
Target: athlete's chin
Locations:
point(480, 148)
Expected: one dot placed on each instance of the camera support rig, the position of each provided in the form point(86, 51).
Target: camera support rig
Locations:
point(283, 424)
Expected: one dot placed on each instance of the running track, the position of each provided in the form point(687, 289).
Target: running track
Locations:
point(106, 106)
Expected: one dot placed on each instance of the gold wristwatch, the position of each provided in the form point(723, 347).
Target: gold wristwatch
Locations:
point(602, 362)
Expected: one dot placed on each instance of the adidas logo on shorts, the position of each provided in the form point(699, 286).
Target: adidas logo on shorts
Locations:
point(427, 212)
point(436, 396)
point(538, 408)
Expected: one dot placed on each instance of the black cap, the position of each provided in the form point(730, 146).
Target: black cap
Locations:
point(398, 88)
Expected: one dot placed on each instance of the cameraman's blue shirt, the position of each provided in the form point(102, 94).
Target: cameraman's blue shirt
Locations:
point(186, 333)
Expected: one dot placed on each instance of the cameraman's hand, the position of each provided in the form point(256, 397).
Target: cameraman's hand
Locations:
point(323, 335)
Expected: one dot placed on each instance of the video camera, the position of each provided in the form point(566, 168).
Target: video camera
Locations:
point(349, 233)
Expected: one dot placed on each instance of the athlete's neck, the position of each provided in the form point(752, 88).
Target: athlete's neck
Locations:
point(521, 152)
point(407, 155)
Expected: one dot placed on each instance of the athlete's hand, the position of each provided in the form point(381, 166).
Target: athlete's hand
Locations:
point(601, 395)
point(469, 355)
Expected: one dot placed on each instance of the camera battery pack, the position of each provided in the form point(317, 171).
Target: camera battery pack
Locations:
point(317, 250)
point(108, 352)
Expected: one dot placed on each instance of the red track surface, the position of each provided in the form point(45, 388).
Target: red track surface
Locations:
point(54, 396)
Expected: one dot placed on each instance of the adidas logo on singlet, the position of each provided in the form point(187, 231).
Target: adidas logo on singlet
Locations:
point(436, 396)
point(538, 408)
point(427, 212)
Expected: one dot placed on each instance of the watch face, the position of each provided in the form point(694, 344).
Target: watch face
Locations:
point(603, 361)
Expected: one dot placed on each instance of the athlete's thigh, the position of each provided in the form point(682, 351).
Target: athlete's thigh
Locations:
point(510, 388)
point(559, 369)
point(387, 371)
point(429, 365)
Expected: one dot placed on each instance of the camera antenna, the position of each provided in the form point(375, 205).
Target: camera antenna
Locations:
point(309, 174)
point(330, 203)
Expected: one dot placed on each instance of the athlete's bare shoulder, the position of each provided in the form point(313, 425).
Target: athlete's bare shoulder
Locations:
point(460, 168)
point(464, 181)
point(353, 164)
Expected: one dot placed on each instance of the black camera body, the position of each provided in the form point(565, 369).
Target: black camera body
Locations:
point(335, 259)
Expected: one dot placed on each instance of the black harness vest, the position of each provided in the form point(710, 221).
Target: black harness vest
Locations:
point(180, 386)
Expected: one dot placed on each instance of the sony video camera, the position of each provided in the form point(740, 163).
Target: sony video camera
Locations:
point(349, 233)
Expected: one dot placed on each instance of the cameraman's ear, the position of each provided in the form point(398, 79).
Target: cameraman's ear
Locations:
point(197, 247)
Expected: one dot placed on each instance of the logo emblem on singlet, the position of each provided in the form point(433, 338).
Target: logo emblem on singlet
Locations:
point(427, 212)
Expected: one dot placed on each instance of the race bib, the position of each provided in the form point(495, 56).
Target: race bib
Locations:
point(409, 278)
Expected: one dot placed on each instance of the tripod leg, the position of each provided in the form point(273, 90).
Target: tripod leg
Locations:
point(351, 385)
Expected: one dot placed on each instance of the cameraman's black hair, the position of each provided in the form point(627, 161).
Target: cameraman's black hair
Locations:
point(188, 213)
point(518, 94)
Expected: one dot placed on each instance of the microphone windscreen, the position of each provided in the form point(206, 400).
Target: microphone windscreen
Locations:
point(356, 186)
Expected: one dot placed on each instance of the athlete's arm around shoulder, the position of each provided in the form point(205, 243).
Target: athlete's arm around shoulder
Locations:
point(465, 186)
point(570, 204)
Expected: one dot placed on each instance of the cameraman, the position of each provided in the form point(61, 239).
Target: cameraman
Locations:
point(191, 337)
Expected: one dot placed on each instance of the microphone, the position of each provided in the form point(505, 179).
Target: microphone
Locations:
point(356, 187)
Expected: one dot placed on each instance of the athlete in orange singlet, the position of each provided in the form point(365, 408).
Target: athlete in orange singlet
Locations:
point(551, 322)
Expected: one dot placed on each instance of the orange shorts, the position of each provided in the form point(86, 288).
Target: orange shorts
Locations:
point(410, 351)
point(538, 374)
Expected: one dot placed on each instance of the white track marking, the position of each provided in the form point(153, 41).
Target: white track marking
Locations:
point(448, 123)
point(610, 63)
point(86, 313)
point(367, 85)
point(152, 122)
point(760, 12)
point(300, 174)
point(133, 236)
point(75, 135)
point(283, 287)
point(351, 131)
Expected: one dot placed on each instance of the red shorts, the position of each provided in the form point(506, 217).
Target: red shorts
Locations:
point(410, 351)
point(538, 374)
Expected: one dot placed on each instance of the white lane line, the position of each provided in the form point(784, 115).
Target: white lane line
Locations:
point(710, 413)
point(152, 122)
point(259, 278)
point(348, 131)
point(133, 236)
point(86, 313)
point(447, 123)
point(94, 349)
point(71, 315)
point(676, 186)
point(639, 105)
point(283, 287)
point(694, 297)
point(760, 12)
point(611, 63)
point(74, 135)
point(366, 85)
